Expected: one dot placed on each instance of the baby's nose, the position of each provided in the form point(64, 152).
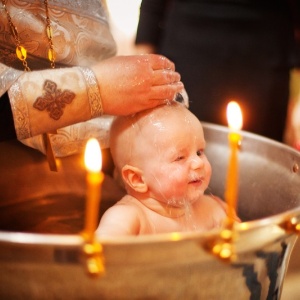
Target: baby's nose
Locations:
point(196, 162)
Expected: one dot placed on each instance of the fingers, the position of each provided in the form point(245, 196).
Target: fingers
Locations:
point(159, 62)
point(161, 77)
point(166, 82)
point(163, 93)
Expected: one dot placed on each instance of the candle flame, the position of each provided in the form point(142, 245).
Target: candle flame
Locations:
point(92, 156)
point(234, 116)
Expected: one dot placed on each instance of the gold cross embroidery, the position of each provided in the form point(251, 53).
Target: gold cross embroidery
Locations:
point(54, 100)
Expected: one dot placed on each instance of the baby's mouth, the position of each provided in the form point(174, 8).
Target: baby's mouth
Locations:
point(196, 180)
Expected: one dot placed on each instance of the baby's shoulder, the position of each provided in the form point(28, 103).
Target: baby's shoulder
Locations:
point(122, 218)
point(128, 201)
point(211, 201)
point(126, 208)
point(127, 205)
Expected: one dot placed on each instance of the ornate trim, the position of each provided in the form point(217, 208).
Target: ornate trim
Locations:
point(93, 92)
point(20, 112)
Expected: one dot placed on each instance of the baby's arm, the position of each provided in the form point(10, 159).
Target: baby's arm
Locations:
point(119, 220)
point(225, 207)
point(212, 212)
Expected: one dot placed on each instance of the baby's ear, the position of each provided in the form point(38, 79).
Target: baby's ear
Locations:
point(134, 178)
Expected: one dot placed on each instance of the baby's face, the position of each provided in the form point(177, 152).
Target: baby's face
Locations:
point(175, 166)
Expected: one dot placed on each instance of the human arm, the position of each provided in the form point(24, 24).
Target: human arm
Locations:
point(79, 40)
point(119, 220)
point(118, 85)
point(224, 206)
point(140, 82)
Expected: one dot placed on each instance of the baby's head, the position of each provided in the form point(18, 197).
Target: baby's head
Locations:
point(159, 153)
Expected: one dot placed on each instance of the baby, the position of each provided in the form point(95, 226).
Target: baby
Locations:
point(160, 155)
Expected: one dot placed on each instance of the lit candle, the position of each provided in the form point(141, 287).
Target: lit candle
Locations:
point(93, 164)
point(235, 122)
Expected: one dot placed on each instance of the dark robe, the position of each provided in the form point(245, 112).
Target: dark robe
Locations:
point(226, 50)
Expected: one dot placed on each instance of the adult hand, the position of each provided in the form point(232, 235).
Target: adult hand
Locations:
point(129, 84)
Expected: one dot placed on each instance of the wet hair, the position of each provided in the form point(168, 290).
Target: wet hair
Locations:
point(125, 130)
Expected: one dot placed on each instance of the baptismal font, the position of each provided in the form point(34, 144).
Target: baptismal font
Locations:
point(42, 222)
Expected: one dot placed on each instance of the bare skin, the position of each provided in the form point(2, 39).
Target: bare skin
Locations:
point(160, 155)
point(140, 82)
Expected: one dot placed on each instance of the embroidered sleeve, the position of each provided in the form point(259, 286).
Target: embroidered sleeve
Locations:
point(7, 77)
point(44, 101)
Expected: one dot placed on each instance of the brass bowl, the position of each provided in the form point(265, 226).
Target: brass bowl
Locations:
point(41, 218)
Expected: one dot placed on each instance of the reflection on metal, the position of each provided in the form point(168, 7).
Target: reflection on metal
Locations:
point(240, 143)
point(223, 245)
point(94, 258)
point(292, 225)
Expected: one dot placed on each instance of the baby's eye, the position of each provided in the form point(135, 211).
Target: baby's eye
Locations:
point(179, 158)
point(200, 152)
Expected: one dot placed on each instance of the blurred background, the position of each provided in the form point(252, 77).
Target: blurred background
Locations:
point(124, 16)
